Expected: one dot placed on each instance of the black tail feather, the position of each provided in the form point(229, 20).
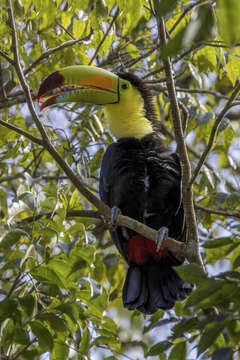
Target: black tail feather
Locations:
point(153, 286)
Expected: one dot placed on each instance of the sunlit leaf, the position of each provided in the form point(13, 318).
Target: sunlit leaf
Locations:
point(228, 23)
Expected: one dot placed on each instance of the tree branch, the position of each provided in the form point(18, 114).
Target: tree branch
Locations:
point(219, 212)
point(6, 57)
point(173, 245)
point(192, 242)
point(13, 101)
point(213, 133)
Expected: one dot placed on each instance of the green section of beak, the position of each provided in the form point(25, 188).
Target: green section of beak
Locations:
point(85, 84)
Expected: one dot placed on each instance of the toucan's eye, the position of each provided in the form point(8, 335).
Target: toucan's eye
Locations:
point(124, 86)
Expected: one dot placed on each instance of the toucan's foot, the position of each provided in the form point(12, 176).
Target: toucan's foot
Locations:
point(162, 234)
point(114, 216)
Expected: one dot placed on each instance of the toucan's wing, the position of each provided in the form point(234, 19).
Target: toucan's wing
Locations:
point(122, 185)
point(105, 180)
point(109, 181)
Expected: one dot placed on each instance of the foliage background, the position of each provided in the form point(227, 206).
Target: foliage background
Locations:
point(60, 280)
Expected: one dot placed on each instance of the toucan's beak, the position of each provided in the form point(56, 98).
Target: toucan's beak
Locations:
point(79, 83)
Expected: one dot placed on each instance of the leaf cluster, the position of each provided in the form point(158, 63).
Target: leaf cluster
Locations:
point(60, 276)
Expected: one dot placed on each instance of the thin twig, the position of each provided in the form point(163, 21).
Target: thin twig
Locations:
point(179, 57)
point(70, 214)
point(6, 57)
point(13, 101)
point(66, 31)
point(105, 36)
point(216, 94)
point(213, 133)
point(21, 132)
point(219, 212)
point(20, 174)
point(139, 58)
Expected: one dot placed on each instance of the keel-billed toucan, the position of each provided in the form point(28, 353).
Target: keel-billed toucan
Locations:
point(138, 175)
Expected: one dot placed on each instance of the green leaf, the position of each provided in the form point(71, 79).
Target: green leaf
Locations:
point(21, 336)
point(163, 7)
point(55, 322)
point(202, 27)
point(60, 351)
point(205, 59)
point(174, 45)
point(214, 254)
point(85, 341)
point(204, 118)
point(236, 262)
point(203, 291)
point(29, 254)
point(87, 254)
point(46, 275)
point(233, 69)
point(228, 20)
point(159, 347)
point(78, 28)
point(222, 354)
point(11, 238)
point(209, 336)
point(74, 199)
point(107, 340)
point(178, 352)
point(153, 320)
point(7, 309)
point(7, 335)
point(184, 326)
point(70, 309)
point(44, 336)
point(192, 273)
point(225, 122)
point(215, 243)
point(28, 304)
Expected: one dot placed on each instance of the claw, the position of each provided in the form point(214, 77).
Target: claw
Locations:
point(161, 235)
point(114, 216)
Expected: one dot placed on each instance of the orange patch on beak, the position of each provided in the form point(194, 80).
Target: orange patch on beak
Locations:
point(101, 82)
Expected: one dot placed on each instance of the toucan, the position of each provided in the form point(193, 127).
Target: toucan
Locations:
point(138, 177)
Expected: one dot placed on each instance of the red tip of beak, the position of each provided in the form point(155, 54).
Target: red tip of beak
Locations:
point(48, 102)
point(50, 83)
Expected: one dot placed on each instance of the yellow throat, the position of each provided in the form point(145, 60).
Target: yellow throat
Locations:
point(127, 118)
